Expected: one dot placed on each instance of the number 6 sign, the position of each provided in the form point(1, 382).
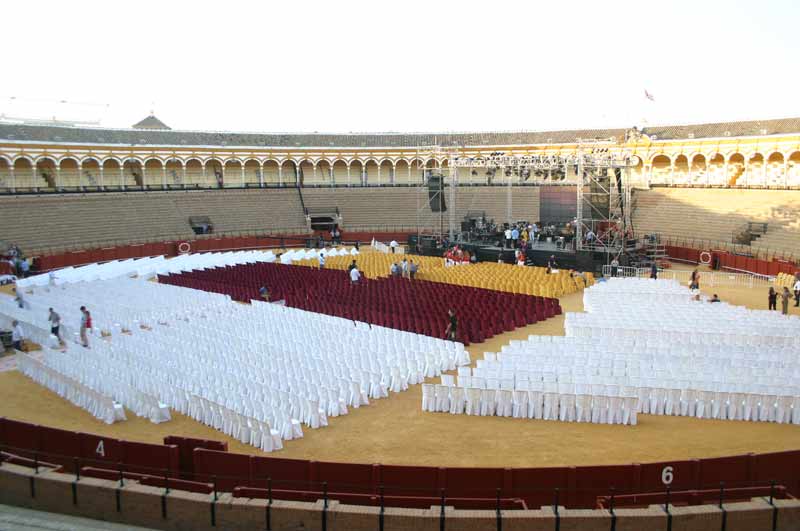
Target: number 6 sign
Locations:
point(667, 475)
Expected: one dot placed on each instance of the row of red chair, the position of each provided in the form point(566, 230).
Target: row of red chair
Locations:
point(417, 306)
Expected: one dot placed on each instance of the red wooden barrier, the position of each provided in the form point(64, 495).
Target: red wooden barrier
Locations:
point(186, 448)
point(409, 480)
point(361, 481)
point(285, 473)
point(677, 475)
point(230, 470)
point(60, 446)
point(153, 459)
point(344, 477)
point(96, 450)
point(536, 485)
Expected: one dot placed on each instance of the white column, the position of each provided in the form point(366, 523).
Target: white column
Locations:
point(183, 174)
point(101, 182)
point(348, 174)
point(379, 172)
point(144, 174)
point(13, 175)
point(785, 171)
point(364, 175)
point(243, 177)
point(280, 174)
point(163, 175)
point(261, 177)
point(122, 175)
point(409, 172)
point(58, 176)
point(80, 175)
point(746, 171)
point(33, 175)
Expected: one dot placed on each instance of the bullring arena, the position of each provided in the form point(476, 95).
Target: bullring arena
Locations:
point(579, 393)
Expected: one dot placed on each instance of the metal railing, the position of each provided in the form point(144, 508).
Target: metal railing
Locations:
point(707, 278)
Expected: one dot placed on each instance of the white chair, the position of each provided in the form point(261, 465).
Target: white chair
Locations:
point(505, 403)
point(457, 400)
point(520, 399)
point(630, 409)
point(599, 409)
point(442, 398)
point(583, 408)
point(428, 397)
point(535, 403)
point(615, 409)
point(488, 404)
point(473, 401)
point(550, 401)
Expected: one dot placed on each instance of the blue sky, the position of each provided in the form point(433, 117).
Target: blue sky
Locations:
point(401, 66)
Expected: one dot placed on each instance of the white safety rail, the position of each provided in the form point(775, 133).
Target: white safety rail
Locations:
point(386, 249)
point(639, 350)
point(144, 267)
point(307, 254)
point(100, 406)
point(707, 278)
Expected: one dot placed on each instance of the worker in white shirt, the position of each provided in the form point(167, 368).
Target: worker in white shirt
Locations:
point(797, 293)
point(355, 275)
point(508, 238)
point(393, 244)
point(16, 335)
point(322, 261)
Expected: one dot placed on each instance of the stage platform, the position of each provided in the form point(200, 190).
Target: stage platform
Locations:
point(538, 255)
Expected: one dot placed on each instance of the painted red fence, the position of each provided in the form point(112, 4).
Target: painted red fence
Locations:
point(173, 248)
point(578, 487)
point(731, 261)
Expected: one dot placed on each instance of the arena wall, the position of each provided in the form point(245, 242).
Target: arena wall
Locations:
point(132, 503)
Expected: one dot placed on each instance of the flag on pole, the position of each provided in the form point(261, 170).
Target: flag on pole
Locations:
point(648, 95)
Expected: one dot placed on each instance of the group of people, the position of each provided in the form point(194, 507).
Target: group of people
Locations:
point(521, 236)
point(785, 295)
point(457, 255)
point(20, 265)
point(403, 269)
point(54, 318)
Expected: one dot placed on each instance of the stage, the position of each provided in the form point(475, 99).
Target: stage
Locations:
point(538, 255)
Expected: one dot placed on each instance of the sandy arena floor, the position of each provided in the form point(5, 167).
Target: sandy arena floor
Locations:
point(396, 431)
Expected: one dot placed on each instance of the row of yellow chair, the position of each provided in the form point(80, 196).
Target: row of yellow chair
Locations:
point(510, 278)
point(488, 275)
point(375, 265)
point(785, 280)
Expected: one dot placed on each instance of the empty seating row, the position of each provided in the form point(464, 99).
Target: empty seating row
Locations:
point(400, 303)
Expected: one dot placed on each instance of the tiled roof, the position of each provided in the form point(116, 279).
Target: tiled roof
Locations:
point(163, 137)
point(151, 122)
point(721, 129)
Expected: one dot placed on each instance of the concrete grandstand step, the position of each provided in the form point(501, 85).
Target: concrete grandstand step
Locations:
point(19, 519)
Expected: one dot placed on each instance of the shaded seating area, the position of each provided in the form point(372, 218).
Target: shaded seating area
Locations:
point(415, 306)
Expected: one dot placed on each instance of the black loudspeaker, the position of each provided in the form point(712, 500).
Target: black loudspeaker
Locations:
point(436, 193)
point(598, 198)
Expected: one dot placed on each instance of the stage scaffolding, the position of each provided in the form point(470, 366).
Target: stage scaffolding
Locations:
point(602, 179)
